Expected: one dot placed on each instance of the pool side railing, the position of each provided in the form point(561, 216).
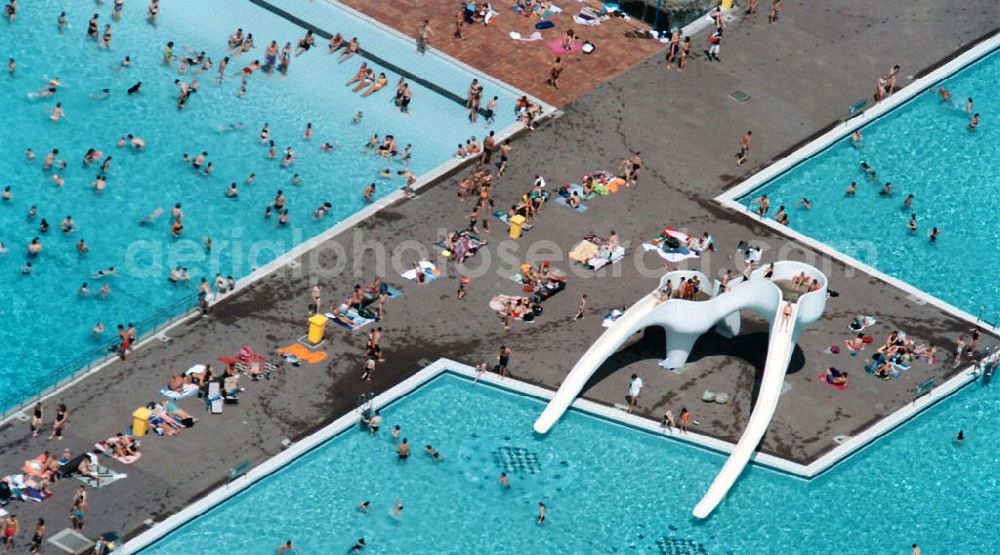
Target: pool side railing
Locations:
point(105, 351)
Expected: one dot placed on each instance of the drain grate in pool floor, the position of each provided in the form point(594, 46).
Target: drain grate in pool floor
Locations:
point(680, 546)
point(516, 459)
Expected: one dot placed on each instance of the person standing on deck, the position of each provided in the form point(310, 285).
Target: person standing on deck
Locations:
point(425, 34)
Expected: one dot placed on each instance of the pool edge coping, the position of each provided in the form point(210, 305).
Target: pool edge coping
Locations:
point(422, 377)
point(728, 199)
point(424, 181)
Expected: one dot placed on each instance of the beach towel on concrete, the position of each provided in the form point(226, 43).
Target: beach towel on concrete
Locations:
point(430, 272)
point(106, 475)
point(187, 390)
point(214, 398)
point(302, 353)
point(556, 46)
point(603, 259)
point(553, 10)
point(822, 378)
point(580, 208)
point(537, 35)
point(350, 318)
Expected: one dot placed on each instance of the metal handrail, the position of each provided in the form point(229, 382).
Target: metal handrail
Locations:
point(103, 352)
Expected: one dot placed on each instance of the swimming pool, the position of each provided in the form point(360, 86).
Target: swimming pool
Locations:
point(924, 148)
point(44, 323)
point(608, 488)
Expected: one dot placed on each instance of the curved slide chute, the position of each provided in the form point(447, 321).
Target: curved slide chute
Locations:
point(684, 322)
point(779, 353)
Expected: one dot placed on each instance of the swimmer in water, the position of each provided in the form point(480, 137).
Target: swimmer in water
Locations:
point(134, 89)
point(81, 247)
point(49, 89)
point(908, 201)
point(57, 113)
point(97, 330)
point(29, 155)
point(933, 235)
point(912, 226)
point(230, 127)
point(232, 192)
point(102, 94)
point(851, 189)
point(296, 180)
point(152, 216)
point(869, 171)
point(886, 190)
point(433, 453)
point(968, 105)
point(804, 203)
point(973, 123)
point(386, 173)
point(945, 93)
point(397, 509)
point(364, 506)
point(504, 481)
point(357, 118)
point(369, 191)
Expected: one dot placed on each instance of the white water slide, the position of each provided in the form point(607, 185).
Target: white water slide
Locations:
point(684, 322)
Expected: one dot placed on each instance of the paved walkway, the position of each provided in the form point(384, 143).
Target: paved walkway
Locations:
point(526, 65)
point(687, 137)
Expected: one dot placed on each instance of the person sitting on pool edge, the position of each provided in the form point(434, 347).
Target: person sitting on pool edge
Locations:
point(835, 377)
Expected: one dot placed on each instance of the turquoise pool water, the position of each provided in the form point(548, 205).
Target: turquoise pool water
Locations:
point(43, 322)
point(607, 488)
point(923, 148)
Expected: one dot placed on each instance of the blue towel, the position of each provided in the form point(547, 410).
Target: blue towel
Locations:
point(581, 208)
point(393, 292)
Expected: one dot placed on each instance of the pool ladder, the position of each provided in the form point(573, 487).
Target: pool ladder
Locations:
point(365, 402)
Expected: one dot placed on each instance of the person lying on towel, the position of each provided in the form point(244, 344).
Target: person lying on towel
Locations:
point(835, 377)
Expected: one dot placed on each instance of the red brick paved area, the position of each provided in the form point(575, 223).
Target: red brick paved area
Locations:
point(525, 65)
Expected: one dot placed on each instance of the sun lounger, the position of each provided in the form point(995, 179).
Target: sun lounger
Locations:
point(214, 398)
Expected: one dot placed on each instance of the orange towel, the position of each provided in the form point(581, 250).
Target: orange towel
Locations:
point(307, 356)
point(615, 183)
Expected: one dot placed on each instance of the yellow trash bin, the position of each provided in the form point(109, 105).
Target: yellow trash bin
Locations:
point(516, 225)
point(317, 326)
point(140, 421)
point(727, 4)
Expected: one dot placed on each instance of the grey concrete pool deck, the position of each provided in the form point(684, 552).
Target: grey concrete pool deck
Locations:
point(800, 74)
